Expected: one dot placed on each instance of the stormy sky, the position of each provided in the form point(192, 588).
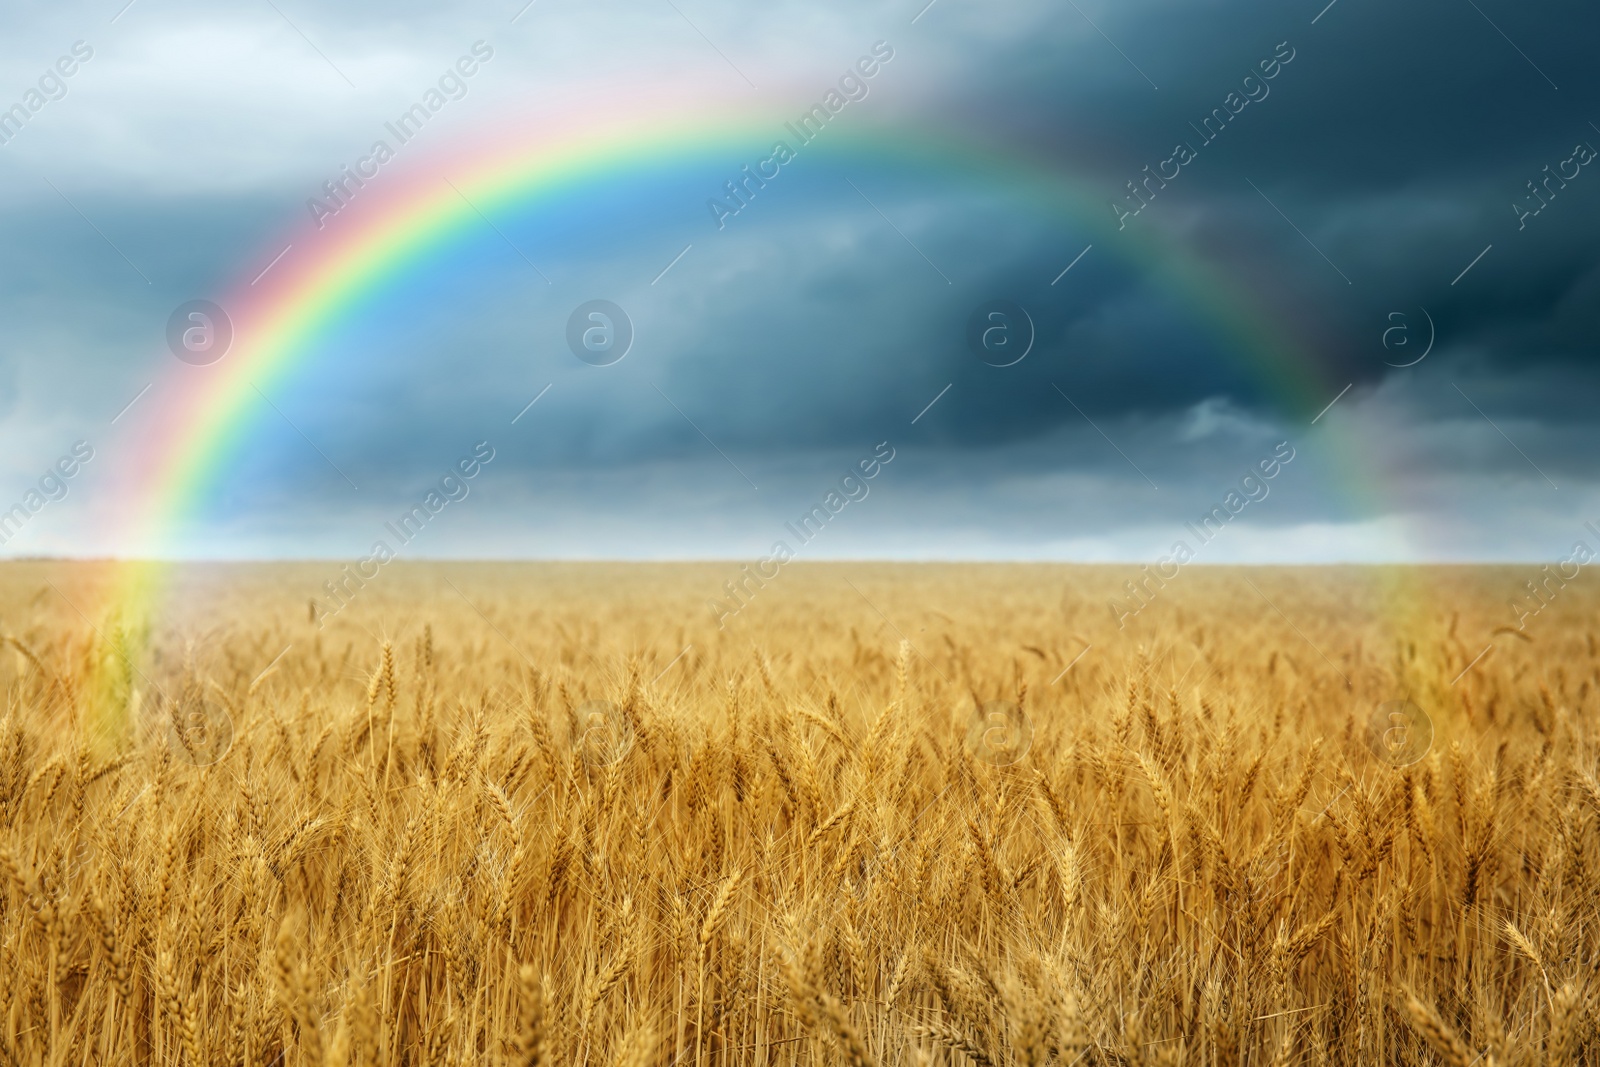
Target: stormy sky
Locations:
point(1383, 249)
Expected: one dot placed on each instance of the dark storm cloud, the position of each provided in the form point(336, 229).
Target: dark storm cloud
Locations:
point(1397, 141)
point(1391, 148)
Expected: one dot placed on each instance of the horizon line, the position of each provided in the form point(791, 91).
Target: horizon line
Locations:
point(678, 561)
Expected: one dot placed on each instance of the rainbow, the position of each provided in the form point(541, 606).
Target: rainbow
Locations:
point(202, 416)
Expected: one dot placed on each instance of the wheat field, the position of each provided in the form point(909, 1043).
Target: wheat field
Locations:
point(909, 814)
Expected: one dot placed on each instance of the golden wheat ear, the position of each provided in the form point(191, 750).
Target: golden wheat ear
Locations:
point(1432, 1028)
point(529, 1050)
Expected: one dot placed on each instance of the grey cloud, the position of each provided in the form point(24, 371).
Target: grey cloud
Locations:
point(1393, 143)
